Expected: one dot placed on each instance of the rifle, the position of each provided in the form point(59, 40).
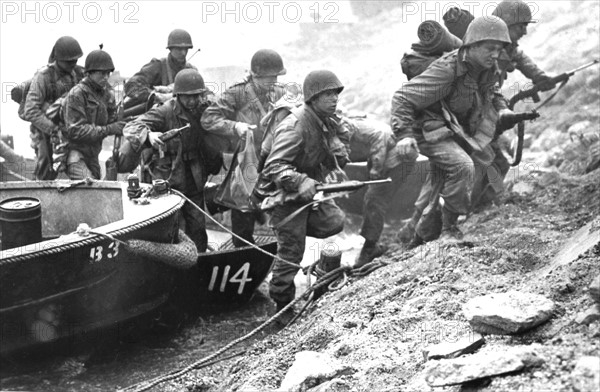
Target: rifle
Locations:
point(519, 120)
point(338, 188)
point(533, 92)
point(112, 163)
point(173, 133)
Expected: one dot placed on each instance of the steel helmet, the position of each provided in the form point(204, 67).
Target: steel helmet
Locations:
point(99, 60)
point(513, 12)
point(485, 28)
point(188, 81)
point(267, 62)
point(66, 49)
point(318, 81)
point(179, 38)
point(457, 21)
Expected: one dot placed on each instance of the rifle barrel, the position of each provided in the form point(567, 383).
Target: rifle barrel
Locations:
point(570, 73)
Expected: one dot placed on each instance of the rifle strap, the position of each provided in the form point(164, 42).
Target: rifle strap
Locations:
point(553, 94)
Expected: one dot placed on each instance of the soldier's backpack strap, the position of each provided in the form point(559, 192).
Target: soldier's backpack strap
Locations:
point(254, 98)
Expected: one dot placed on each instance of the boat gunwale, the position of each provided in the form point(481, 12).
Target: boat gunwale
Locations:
point(73, 240)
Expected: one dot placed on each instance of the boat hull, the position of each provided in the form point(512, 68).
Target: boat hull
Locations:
point(68, 286)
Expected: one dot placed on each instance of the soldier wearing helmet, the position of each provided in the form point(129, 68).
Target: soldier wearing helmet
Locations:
point(186, 160)
point(517, 16)
point(307, 145)
point(90, 115)
point(239, 110)
point(458, 93)
point(49, 84)
point(159, 74)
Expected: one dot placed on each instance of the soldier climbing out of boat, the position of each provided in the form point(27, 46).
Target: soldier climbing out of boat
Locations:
point(307, 145)
point(90, 115)
point(157, 77)
point(184, 161)
point(49, 84)
point(239, 110)
point(459, 91)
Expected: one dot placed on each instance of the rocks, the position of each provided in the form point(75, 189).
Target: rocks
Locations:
point(481, 365)
point(445, 350)
point(464, 369)
point(586, 375)
point(507, 313)
point(310, 369)
point(589, 316)
point(523, 188)
point(595, 289)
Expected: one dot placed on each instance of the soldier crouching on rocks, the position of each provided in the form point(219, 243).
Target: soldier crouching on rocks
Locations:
point(307, 145)
point(90, 115)
point(372, 141)
point(516, 15)
point(184, 161)
point(460, 91)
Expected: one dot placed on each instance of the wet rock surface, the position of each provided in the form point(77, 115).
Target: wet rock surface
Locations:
point(507, 313)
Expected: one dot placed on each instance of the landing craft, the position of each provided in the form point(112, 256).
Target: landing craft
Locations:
point(81, 257)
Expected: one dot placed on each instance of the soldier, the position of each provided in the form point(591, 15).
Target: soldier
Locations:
point(90, 115)
point(158, 75)
point(50, 83)
point(516, 15)
point(459, 93)
point(240, 109)
point(372, 141)
point(307, 145)
point(186, 161)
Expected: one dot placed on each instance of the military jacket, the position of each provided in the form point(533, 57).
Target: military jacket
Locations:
point(48, 84)
point(303, 143)
point(448, 84)
point(194, 147)
point(158, 72)
point(241, 103)
point(512, 58)
point(87, 111)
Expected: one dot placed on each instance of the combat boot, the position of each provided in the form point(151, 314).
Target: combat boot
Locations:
point(284, 319)
point(369, 252)
point(407, 231)
point(450, 231)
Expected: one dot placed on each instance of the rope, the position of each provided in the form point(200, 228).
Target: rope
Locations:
point(275, 257)
point(144, 386)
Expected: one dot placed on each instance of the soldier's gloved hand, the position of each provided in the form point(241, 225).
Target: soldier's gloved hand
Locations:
point(241, 128)
point(154, 139)
point(116, 128)
point(545, 83)
point(408, 148)
point(307, 189)
point(508, 119)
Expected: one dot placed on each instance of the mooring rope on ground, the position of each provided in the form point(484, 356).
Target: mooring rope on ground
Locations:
point(146, 385)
